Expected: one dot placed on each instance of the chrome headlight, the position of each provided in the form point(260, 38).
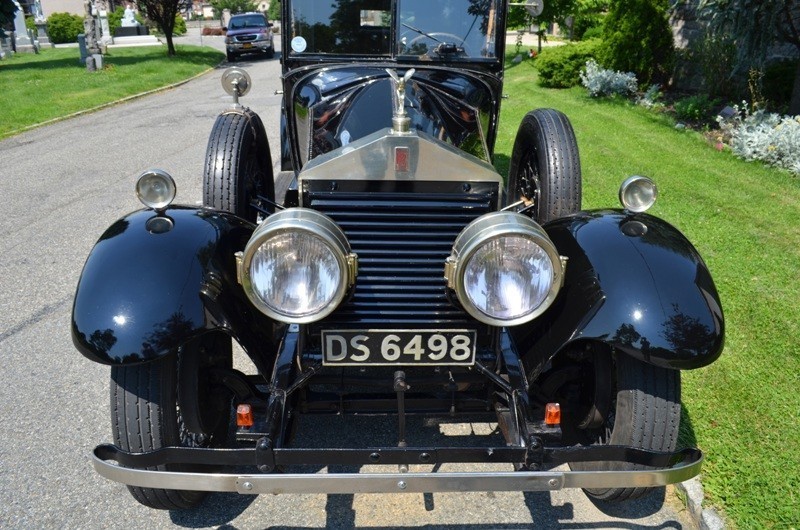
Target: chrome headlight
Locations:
point(638, 194)
point(504, 269)
point(297, 266)
point(156, 189)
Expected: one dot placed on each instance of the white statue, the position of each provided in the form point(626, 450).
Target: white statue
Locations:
point(129, 20)
point(38, 15)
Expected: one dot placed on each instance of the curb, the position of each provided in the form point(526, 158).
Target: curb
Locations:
point(691, 493)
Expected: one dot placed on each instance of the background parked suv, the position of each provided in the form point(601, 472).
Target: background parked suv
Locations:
point(249, 33)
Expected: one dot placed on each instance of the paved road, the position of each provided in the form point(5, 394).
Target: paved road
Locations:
point(61, 186)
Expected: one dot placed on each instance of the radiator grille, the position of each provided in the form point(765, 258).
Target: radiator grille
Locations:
point(402, 236)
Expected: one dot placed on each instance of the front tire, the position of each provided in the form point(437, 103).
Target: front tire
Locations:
point(146, 414)
point(643, 412)
point(545, 169)
point(238, 166)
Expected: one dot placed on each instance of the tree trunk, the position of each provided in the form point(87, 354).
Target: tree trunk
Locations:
point(794, 103)
point(170, 45)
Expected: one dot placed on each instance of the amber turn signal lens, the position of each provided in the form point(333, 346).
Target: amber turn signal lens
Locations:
point(244, 415)
point(552, 414)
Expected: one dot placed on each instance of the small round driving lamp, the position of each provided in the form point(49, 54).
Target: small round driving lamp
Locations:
point(638, 194)
point(504, 269)
point(156, 189)
point(297, 267)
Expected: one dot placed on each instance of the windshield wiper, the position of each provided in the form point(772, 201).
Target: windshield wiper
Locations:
point(444, 48)
point(412, 28)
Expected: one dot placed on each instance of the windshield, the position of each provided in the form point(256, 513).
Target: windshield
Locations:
point(248, 21)
point(421, 28)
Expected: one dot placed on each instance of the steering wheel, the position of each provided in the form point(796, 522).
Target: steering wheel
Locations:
point(441, 37)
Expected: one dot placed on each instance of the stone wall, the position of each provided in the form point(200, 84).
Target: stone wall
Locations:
point(687, 31)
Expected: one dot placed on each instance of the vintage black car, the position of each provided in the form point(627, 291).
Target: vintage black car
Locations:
point(399, 274)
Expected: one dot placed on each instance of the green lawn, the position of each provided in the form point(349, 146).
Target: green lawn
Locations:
point(744, 218)
point(52, 84)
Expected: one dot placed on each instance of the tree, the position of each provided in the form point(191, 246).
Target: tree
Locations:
point(235, 6)
point(554, 11)
point(637, 38)
point(274, 11)
point(7, 12)
point(163, 13)
point(756, 28)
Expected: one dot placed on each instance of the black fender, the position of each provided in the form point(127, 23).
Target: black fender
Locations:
point(153, 282)
point(634, 282)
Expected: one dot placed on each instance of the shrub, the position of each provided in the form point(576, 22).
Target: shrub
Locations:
point(715, 54)
point(651, 97)
point(180, 26)
point(637, 38)
point(30, 24)
point(207, 31)
point(698, 108)
point(64, 27)
point(601, 82)
point(560, 66)
point(778, 82)
point(587, 26)
point(595, 32)
point(763, 136)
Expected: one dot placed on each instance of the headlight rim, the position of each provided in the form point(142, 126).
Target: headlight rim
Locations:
point(481, 232)
point(294, 220)
point(172, 187)
point(637, 180)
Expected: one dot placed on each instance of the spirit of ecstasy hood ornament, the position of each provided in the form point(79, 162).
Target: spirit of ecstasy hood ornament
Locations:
point(400, 122)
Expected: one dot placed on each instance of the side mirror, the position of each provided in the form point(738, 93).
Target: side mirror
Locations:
point(224, 28)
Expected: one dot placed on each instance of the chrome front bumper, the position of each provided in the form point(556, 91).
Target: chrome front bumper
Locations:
point(686, 467)
point(250, 47)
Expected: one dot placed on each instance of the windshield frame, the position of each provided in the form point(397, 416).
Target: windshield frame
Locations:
point(298, 38)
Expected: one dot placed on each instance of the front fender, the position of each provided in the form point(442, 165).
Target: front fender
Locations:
point(634, 282)
point(153, 282)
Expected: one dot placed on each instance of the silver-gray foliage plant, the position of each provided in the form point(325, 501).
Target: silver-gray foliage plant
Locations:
point(602, 82)
point(764, 136)
point(650, 99)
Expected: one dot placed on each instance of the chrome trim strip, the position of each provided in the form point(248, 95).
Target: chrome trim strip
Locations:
point(396, 482)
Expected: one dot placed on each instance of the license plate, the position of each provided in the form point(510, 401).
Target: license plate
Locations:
point(382, 347)
point(247, 45)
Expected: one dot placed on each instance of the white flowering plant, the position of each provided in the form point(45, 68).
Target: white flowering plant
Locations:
point(764, 136)
point(602, 82)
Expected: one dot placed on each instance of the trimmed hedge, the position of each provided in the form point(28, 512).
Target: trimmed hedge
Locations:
point(560, 66)
point(64, 27)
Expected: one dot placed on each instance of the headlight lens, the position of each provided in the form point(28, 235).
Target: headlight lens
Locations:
point(297, 266)
point(156, 189)
point(504, 269)
point(638, 194)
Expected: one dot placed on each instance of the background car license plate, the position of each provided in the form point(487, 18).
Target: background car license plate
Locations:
point(398, 347)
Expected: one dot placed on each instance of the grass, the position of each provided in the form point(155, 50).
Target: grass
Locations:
point(744, 218)
point(38, 88)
